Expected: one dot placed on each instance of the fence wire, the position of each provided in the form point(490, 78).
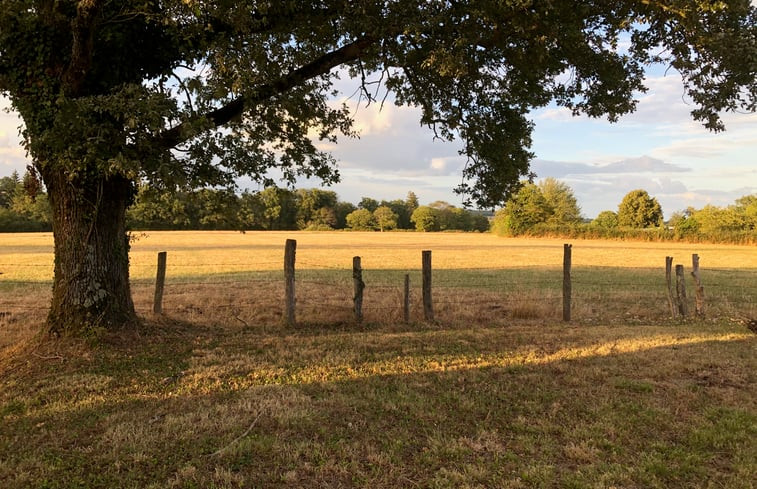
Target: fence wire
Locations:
point(254, 292)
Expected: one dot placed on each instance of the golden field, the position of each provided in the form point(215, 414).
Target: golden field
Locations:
point(232, 277)
point(28, 257)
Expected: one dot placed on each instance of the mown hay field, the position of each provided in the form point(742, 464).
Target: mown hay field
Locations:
point(478, 278)
point(498, 392)
point(28, 257)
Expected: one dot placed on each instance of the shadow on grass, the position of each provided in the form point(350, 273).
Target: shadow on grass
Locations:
point(183, 405)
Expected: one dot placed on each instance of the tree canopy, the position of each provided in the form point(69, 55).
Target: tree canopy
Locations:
point(639, 210)
point(139, 88)
point(549, 203)
point(191, 93)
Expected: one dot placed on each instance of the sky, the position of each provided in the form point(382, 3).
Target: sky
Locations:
point(658, 148)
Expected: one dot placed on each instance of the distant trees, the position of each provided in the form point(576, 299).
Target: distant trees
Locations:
point(361, 220)
point(341, 211)
point(368, 204)
point(717, 223)
point(202, 209)
point(276, 208)
point(8, 187)
point(385, 218)
point(606, 220)
point(426, 219)
point(24, 207)
point(547, 207)
point(442, 216)
point(522, 212)
point(23, 203)
point(549, 204)
point(561, 202)
point(639, 210)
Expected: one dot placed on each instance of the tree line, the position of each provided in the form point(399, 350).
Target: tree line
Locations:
point(549, 208)
point(545, 208)
point(24, 207)
point(275, 208)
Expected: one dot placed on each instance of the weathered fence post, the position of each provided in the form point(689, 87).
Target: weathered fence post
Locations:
point(428, 307)
point(357, 278)
point(566, 282)
point(290, 250)
point(683, 308)
point(669, 281)
point(160, 282)
point(406, 308)
point(699, 291)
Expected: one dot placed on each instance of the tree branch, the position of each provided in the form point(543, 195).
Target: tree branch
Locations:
point(83, 33)
point(235, 108)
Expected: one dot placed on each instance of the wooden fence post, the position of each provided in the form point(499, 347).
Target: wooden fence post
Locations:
point(290, 250)
point(357, 278)
point(699, 291)
point(428, 307)
point(669, 281)
point(566, 282)
point(406, 308)
point(683, 308)
point(160, 282)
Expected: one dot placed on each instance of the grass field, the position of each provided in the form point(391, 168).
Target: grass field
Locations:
point(217, 393)
point(232, 276)
point(28, 257)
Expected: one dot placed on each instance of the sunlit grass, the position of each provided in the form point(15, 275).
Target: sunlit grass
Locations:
point(28, 257)
point(231, 405)
point(496, 393)
point(478, 278)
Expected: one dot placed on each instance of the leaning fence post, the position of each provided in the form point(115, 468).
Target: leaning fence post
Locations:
point(681, 289)
point(566, 282)
point(160, 282)
point(406, 308)
point(289, 254)
point(669, 281)
point(428, 308)
point(357, 278)
point(699, 291)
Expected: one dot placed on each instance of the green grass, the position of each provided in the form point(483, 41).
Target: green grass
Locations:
point(187, 405)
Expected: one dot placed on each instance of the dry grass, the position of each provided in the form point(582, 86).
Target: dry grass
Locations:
point(497, 393)
point(231, 405)
point(28, 257)
point(479, 279)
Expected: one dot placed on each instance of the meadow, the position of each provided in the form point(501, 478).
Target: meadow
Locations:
point(478, 278)
point(498, 392)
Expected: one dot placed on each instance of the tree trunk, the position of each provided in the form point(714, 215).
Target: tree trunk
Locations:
point(91, 285)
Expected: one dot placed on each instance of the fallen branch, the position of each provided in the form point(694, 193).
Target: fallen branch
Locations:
point(52, 357)
point(235, 440)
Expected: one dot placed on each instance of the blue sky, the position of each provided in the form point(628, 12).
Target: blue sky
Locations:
point(658, 148)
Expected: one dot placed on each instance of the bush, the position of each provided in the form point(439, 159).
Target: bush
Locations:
point(12, 222)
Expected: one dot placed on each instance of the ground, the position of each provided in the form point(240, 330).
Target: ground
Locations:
point(217, 392)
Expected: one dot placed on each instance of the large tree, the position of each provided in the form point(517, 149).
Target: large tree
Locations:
point(185, 93)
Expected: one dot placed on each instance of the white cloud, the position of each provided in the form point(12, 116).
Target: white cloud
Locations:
point(12, 153)
point(372, 120)
point(438, 164)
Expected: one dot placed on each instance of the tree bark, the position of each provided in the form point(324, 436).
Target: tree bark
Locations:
point(91, 284)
